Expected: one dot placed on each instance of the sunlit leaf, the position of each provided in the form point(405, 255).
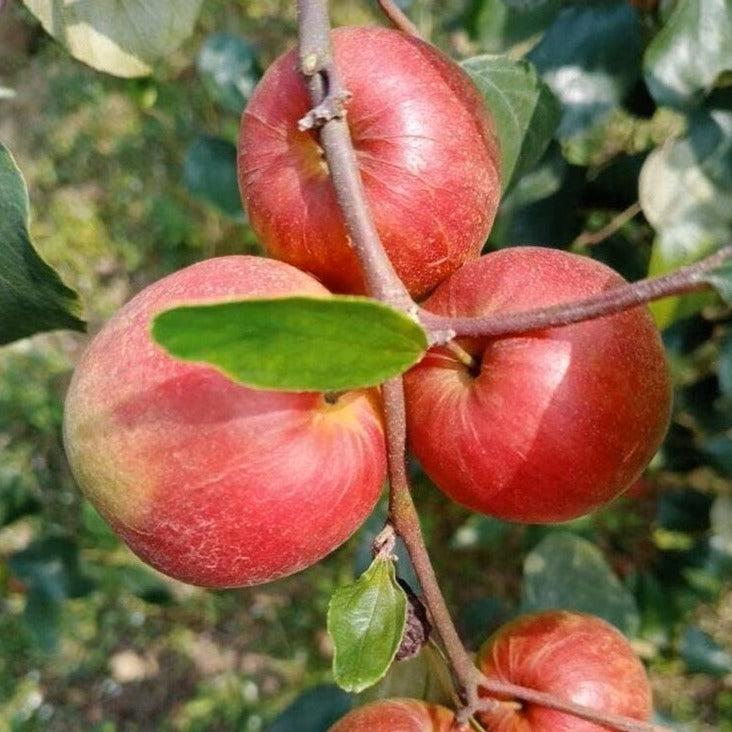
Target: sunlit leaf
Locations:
point(686, 196)
point(565, 571)
point(119, 37)
point(687, 55)
point(32, 296)
point(295, 343)
point(366, 621)
point(525, 110)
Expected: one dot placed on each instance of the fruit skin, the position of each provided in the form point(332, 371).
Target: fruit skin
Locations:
point(576, 657)
point(208, 481)
point(398, 715)
point(558, 422)
point(424, 144)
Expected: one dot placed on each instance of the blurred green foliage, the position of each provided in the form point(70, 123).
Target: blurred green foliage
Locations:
point(90, 639)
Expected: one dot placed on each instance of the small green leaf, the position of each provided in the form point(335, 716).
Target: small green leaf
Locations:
point(119, 37)
point(366, 622)
point(209, 173)
point(526, 112)
point(590, 57)
point(229, 70)
point(688, 54)
point(565, 571)
point(32, 296)
point(295, 343)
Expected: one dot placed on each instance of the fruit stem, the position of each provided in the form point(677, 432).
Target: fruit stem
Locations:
point(684, 280)
point(398, 18)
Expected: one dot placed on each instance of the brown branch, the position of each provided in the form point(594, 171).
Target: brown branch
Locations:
point(684, 280)
point(383, 284)
point(398, 18)
point(314, 46)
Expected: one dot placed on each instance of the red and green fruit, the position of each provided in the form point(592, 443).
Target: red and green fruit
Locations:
point(399, 715)
point(424, 144)
point(548, 425)
point(577, 658)
point(208, 481)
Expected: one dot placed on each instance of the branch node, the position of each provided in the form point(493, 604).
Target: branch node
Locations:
point(384, 544)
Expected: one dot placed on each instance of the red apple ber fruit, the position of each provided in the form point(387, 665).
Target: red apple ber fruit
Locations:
point(424, 144)
point(555, 423)
point(399, 715)
point(208, 481)
point(576, 657)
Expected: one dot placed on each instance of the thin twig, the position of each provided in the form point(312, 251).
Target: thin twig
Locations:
point(398, 18)
point(591, 238)
point(684, 280)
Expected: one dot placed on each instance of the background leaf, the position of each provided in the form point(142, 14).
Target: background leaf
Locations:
point(498, 25)
point(209, 173)
point(366, 622)
point(684, 59)
point(315, 710)
point(524, 109)
point(590, 57)
point(565, 571)
point(32, 296)
point(119, 37)
point(229, 70)
point(295, 343)
point(686, 194)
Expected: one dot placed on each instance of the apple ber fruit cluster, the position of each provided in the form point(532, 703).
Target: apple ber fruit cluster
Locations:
point(221, 485)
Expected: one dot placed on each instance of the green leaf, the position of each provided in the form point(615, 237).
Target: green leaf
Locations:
point(229, 70)
point(366, 622)
point(685, 58)
point(209, 173)
point(42, 617)
point(565, 571)
point(32, 296)
point(590, 57)
point(295, 343)
point(119, 37)
point(702, 655)
point(526, 112)
point(686, 195)
point(498, 25)
point(51, 565)
point(315, 710)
